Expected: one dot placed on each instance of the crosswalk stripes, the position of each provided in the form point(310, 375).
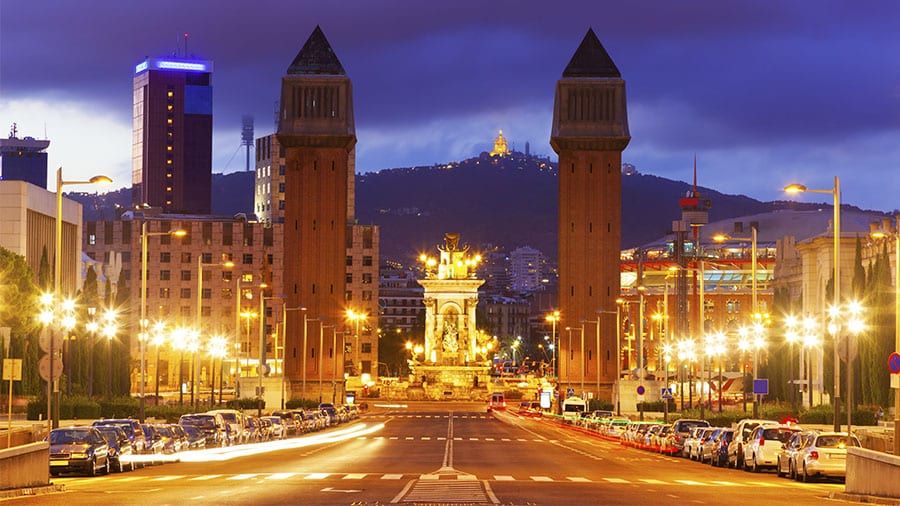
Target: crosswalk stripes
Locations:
point(651, 481)
point(281, 476)
point(241, 477)
point(578, 479)
point(444, 491)
point(167, 478)
point(503, 477)
point(615, 480)
point(317, 476)
point(541, 478)
point(392, 477)
point(354, 476)
point(691, 482)
point(206, 477)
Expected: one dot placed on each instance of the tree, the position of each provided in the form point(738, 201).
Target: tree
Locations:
point(17, 286)
point(45, 275)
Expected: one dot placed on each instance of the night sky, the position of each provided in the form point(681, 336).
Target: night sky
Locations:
point(763, 92)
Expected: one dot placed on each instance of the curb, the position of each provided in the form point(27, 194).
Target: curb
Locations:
point(31, 491)
point(867, 499)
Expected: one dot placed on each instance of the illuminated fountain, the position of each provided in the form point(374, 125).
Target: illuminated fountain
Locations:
point(454, 362)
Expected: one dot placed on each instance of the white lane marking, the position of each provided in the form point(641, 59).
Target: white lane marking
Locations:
point(764, 484)
point(457, 439)
point(691, 483)
point(504, 439)
point(392, 438)
point(616, 480)
point(578, 479)
point(519, 439)
point(197, 497)
point(131, 478)
point(418, 416)
point(728, 483)
point(651, 481)
point(167, 478)
point(246, 476)
point(205, 477)
point(541, 478)
point(441, 439)
point(503, 477)
point(281, 476)
point(467, 477)
point(488, 439)
point(429, 477)
point(316, 476)
point(409, 438)
point(392, 477)
point(426, 439)
point(473, 439)
point(354, 476)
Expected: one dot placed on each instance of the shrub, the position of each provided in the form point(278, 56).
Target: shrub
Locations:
point(301, 404)
point(120, 407)
point(37, 408)
point(246, 404)
point(600, 404)
point(513, 395)
point(657, 406)
point(170, 414)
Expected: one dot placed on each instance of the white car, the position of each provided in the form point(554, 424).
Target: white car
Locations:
point(765, 444)
point(826, 455)
point(741, 435)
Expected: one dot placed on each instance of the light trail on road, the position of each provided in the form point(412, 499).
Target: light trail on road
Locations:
point(232, 452)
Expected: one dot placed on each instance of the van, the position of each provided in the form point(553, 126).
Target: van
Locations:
point(572, 409)
point(234, 424)
point(497, 401)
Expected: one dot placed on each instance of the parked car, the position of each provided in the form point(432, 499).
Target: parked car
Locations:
point(119, 445)
point(690, 441)
point(289, 422)
point(741, 435)
point(234, 421)
point(78, 449)
point(707, 447)
point(211, 425)
point(171, 442)
point(278, 430)
point(764, 445)
point(156, 443)
point(180, 435)
point(825, 455)
point(196, 437)
point(786, 460)
point(720, 449)
point(681, 430)
point(497, 401)
point(616, 427)
point(132, 429)
point(332, 413)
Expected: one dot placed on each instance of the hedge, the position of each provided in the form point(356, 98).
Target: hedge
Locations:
point(246, 404)
point(600, 405)
point(301, 404)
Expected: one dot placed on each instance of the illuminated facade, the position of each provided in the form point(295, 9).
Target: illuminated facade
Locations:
point(500, 146)
point(171, 157)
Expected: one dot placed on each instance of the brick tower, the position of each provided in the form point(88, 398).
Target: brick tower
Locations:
point(317, 131)
point(590, 130)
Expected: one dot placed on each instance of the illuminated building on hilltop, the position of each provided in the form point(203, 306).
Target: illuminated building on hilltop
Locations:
point(500, 146)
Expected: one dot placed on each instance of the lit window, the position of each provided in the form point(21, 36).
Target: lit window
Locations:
point(168, 188)
point(169, 121)
point(168, 202)
point(170, 93)
point(170, 107)
point(169, 162)
point(168, 148)
point(168, 175)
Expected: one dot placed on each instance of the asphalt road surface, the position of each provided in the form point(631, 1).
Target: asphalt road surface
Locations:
point(438, 453)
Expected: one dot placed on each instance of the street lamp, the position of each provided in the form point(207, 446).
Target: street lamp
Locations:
point(792, 336)
point(686, 353)
point(217, 347)
point(553, 317)
point(109, 329)
point(61, 317)
point(226, 264)
point(157, 339)
point(356, 317)
point(753, 338)
point(143, 322)
point(835, 192)
point(715, 349)
point(92, 327)
point(848, 317)
point(52, 421)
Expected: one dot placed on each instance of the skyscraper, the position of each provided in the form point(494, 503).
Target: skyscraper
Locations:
point(171, 157)
point(590, 131)
point(317, 131)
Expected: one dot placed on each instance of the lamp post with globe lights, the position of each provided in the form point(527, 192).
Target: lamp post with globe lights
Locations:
point(686, 353)
point(752, 339)
point(553, 317)
point(850, 318)
point(143, 323)
point(55, 317)
point(835, 192)
point(216, 348)
point(157, 339)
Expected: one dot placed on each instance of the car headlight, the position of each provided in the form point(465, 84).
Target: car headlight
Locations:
point(79, 455)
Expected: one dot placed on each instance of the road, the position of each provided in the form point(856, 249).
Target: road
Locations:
point(436, 452)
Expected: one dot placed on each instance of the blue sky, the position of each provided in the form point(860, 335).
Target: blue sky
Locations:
point(764, 93)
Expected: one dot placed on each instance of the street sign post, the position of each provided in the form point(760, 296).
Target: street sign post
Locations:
point(665, 393)
point(761, 386)
point(570, 392)
point(894, 363)
point(44, 368)
point(12, 369)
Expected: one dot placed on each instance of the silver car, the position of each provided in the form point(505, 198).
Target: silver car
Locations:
point(786, 464)
point(765, 444)
point(826, 455)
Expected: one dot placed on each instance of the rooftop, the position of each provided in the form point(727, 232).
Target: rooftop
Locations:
point(316, 57)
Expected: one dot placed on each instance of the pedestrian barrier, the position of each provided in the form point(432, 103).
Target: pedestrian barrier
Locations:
point(25, 466)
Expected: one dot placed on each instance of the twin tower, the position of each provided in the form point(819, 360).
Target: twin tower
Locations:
point(590, 130)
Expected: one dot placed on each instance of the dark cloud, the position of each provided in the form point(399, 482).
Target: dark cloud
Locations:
point(747, 83)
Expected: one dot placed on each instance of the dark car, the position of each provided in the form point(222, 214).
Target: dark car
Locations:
point(329, 410)
point(171, 442)
point(212, 426)
point(291, 424)
point(682, 430)
point(78, 449)
point(155, 443)
point(720, 451)
point(180, 436)
point(195, 436)
point(119, 445)
point(132, 429)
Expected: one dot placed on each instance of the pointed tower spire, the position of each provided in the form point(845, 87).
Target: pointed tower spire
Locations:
point(316, 57)
point(591, 59)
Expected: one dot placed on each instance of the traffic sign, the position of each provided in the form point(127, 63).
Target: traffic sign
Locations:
point(641, 390)
point(12, 369)
point(44, 368)
point(665, 393)
point(46, 336)
point(761, 386)
point(894, 363)
point(570, 392)
point(842, 348)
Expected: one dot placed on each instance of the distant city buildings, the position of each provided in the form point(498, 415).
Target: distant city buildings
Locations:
point(500, 146)
point(23, 159)
point(171, 162)
point(526, 266)
point(268, 192)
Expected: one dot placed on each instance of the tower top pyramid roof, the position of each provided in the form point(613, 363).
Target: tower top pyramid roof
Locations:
point(591, 59)
point(316, 57)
